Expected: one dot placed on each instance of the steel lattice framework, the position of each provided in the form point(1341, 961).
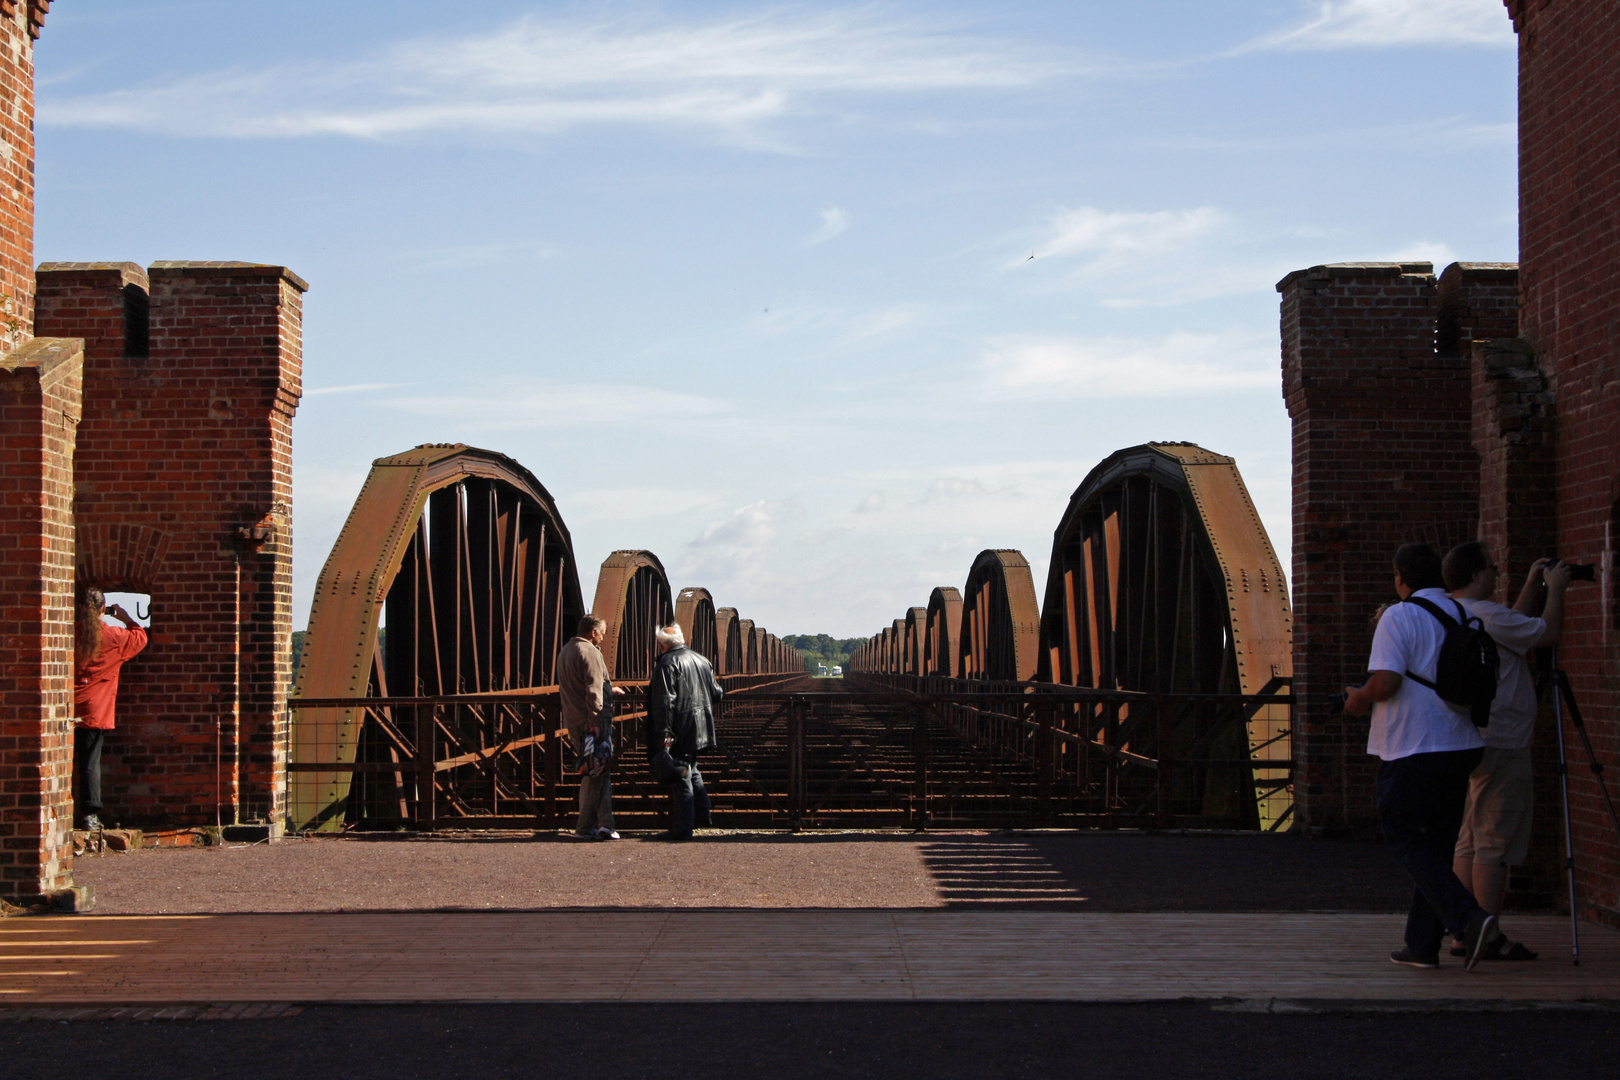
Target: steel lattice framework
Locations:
point(1162, 581)
point(461, 553)
point(439, 612)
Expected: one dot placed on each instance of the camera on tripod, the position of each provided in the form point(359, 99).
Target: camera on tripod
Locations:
point(1577, 571)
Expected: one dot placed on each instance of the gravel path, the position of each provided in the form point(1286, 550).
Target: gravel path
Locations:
point(1092, 872)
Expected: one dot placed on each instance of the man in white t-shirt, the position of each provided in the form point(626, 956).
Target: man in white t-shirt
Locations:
point(1495, 831)
point(1428, 749)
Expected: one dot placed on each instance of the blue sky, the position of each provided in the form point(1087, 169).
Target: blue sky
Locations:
point(751, 285)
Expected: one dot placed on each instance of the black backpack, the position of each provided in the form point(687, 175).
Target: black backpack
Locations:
point(1466, 673)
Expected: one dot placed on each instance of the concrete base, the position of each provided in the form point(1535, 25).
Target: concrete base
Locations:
point(75, 900)
point(251, 834)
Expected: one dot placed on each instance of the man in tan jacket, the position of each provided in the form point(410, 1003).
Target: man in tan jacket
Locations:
point(587, 710)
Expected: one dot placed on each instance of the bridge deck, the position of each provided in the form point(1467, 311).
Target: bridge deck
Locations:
point(741, 955)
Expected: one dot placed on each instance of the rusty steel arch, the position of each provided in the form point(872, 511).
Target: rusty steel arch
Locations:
point(748, 655)
point(1001, 621)
point(1163, 580)
point(462, 554)
point(728, 641)
point(916, 625)
point(694, 612)
point(943, 632)
point(633, 595)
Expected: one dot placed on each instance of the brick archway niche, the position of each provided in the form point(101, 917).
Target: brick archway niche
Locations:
point(183, 490)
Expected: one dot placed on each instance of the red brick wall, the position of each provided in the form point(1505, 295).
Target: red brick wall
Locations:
point(1569, 252)
point(192, 374)
point(1382, 456)
point(39, 410)
point(17, 172)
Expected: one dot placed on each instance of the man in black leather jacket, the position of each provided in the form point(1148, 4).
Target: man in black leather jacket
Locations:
point(681, 696)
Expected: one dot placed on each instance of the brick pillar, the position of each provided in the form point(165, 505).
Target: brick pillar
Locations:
point(184, 490)
point(18, 28)
point(1569, 201)
point(39, 411)
point(1382, 456)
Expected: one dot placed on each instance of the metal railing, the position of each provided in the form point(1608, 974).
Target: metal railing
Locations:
point(456, 761)
point(898, 751)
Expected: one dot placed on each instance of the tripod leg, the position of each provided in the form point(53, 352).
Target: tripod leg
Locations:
point(1586, 741)
point(1569, 832)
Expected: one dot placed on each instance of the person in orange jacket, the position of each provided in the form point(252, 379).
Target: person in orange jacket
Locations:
point(100, 652)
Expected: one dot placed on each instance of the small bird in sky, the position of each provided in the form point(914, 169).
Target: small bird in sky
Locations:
point(1031, 256)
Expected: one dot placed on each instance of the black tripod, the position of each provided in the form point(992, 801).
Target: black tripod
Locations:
point(1564, 697)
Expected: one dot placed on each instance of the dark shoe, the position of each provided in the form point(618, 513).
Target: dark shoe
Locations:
point(1503, 949)
point(1408, 958)
point(92, 823)
point(1458, 950)
point(1480, 933)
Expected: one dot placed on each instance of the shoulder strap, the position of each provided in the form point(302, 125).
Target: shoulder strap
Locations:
point(1446, 621)
point(1434, 609)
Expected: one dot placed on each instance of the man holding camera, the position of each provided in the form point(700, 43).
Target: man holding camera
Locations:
point(1495, 832)
point(1428, 749)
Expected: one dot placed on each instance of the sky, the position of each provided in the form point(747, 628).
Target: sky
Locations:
point(814, 301)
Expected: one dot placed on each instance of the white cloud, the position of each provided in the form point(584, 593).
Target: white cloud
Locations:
point(562, 406)
point(1107, 235)
point(1156, 258)
point(1125, 259)
point(353, 388)
point(871, 504)
point(1383, 24)
point(834, 220)
point(544, 76)
point(954, 487)
point(1179, 364)
point(746, 531)
point(732, 555)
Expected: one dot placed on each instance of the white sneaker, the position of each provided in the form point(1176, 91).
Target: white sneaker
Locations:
point(606, 834)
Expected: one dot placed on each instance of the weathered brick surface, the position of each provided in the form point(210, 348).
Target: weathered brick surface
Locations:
point(184, 490)
point(1569, 252)
point(1382, 456)
point(40, 384)
point(1514, 436)
point(17, 33)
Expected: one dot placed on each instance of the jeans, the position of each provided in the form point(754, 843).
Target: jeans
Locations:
point(87, 748)
point(691, 802)
point(1420, 806)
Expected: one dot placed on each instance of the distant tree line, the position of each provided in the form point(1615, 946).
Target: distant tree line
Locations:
point(823, 649)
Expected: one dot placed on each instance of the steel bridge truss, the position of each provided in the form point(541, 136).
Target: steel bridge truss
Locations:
point(917, 757)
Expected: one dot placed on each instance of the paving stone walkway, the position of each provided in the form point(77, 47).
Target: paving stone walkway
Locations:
point(742, 955)
point(960, 917)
